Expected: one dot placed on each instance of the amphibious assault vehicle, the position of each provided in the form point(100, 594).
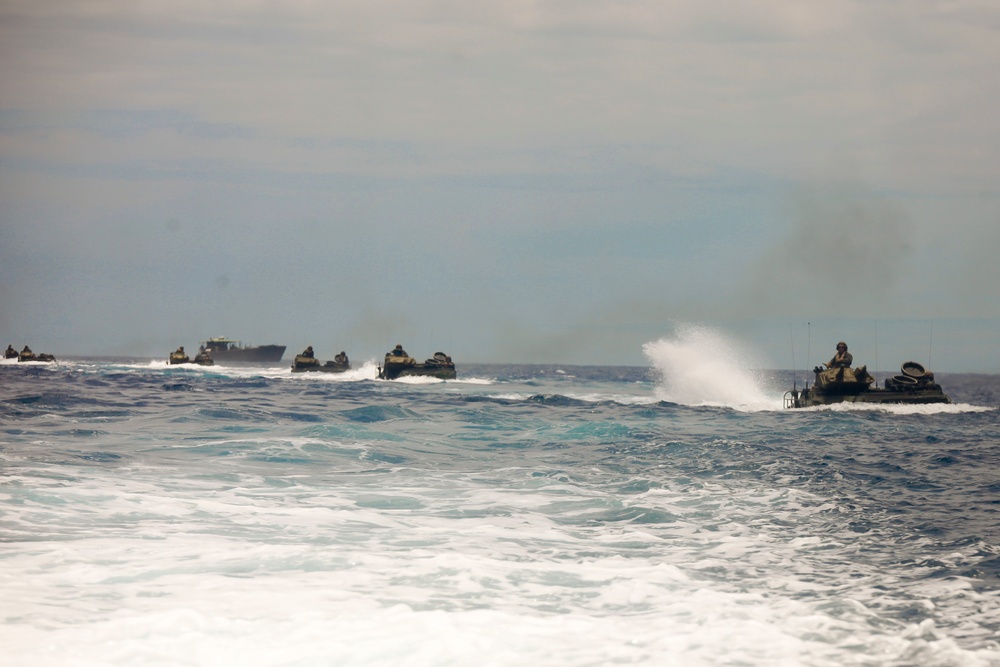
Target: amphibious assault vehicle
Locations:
point(178, 356)
point(914, 385)
point(399, 365)
point(28, 355)
point(305, 363)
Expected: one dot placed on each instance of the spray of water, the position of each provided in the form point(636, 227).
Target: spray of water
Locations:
point(701, 366)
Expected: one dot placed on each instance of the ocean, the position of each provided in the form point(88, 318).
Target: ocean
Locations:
point(541, 515)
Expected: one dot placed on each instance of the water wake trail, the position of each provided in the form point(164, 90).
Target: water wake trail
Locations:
point(699, 365)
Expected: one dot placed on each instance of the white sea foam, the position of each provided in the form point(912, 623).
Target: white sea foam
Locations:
point(898, 409)
point(465, 380)
point(368, 370)
point(181, 571)
point(32, 364)
point(512, 396)
point(701, 366)
point(417, 379)
point(622, 399)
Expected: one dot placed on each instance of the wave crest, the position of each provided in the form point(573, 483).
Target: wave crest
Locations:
point(699, 365)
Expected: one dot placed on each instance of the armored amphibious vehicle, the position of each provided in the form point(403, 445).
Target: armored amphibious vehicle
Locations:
point(913, 386)
point(399, 364)
point(28, 355)
point(305, 363)
point(178, 356)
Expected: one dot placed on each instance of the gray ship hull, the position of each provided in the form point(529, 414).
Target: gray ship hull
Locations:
point(226, 350)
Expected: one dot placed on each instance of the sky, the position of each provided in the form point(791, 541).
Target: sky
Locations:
point(524, 182)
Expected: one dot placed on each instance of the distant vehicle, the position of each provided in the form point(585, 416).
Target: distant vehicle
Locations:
point(203, 358)
point(27, 355)
point(10, 353)
point(914, 386)
point(399, 364)
point(227, 349)
point(305, 363)
point(179, 356)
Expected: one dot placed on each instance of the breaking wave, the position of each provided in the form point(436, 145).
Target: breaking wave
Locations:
point(699, 365)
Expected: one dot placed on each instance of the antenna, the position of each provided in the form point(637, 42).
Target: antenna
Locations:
point(876, 353)
point(791, 340)
point(808, 346)
point(930, 347)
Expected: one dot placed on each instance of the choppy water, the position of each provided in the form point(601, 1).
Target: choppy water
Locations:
point(156, 515)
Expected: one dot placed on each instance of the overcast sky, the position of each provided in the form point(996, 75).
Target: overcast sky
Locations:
point(547, 181)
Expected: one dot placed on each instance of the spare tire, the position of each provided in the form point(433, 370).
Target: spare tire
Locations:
point(912, 369)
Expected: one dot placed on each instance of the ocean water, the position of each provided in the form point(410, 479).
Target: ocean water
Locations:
point(520, 515)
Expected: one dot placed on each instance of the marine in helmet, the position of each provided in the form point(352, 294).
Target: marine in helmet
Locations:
point(842, 359)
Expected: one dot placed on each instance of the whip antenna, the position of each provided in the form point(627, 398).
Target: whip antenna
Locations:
point(930, 347)
point(791, 340)
point(808, 346)
point(876, 353)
